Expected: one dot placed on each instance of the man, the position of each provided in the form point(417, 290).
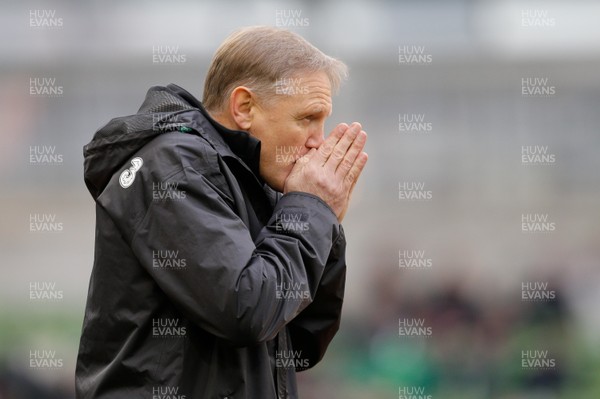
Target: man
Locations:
point(219, 259)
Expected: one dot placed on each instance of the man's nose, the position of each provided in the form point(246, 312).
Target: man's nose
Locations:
point(316, 138)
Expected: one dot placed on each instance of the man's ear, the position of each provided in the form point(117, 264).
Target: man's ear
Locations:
point(240, 107)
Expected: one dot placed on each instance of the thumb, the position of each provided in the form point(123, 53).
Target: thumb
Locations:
point(307, 157)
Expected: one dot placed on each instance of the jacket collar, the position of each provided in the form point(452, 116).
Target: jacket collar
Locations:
point(234, 143)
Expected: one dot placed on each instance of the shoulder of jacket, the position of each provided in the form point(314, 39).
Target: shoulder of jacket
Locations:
point(174, 151)
point(173, 155)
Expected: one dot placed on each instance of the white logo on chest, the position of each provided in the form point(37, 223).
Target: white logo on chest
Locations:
point(128, 176)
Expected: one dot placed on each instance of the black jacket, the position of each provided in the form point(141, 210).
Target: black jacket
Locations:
point(206, 283)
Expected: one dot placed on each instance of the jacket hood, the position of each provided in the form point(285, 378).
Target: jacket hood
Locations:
point(164, 109)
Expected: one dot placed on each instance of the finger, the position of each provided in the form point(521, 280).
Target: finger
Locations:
point(340, 149)
point(353, 184)
point(328, 145)
point(356, 170)
point(357, 146)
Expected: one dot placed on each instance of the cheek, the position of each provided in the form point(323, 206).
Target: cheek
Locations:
point(282, 142)
point(298, 134)
point(288, 138)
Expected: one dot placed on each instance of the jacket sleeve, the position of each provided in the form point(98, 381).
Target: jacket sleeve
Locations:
point(314, 328)
point(230, 284)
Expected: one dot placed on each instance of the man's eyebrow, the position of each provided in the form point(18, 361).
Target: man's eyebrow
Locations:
point(318, 109)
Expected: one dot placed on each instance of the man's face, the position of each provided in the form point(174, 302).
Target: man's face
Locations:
point(291, 124)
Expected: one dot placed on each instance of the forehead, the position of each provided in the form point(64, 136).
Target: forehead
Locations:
point(305, 92)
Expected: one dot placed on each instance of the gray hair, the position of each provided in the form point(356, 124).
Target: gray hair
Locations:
point(259, 56)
